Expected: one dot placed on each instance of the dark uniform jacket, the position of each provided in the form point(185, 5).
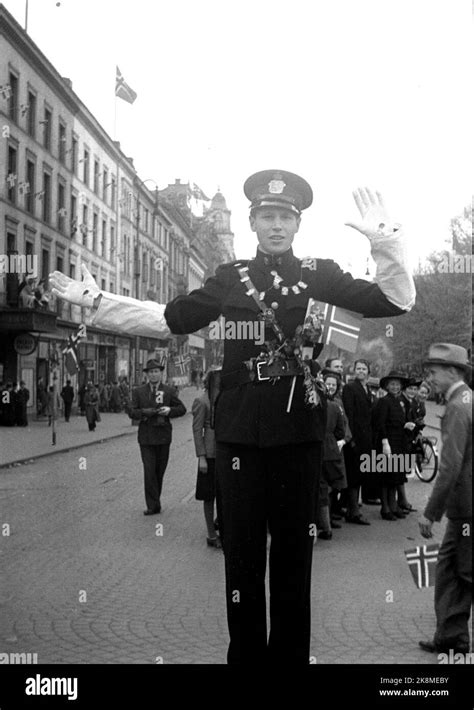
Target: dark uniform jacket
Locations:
point(358, 405)
point(255, 414)
point(155, 430)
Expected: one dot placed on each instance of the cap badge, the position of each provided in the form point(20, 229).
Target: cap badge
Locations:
point(276, 187)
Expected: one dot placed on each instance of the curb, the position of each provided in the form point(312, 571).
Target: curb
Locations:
point(29, 459)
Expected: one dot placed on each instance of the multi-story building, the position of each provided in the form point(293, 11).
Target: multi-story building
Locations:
point(70, 197)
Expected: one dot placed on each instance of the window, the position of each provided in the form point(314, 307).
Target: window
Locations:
point(85, 160)
point(112, 287)
point(102, 284)
point(30, 187)
point(95, 223)
point(46, 197)
point(32, 114)
point(113, 194)
point(103, 238)
point(105, 184)
point(61, 206)
point(29, 252)
point(146, 221)
point(112, 241)
point(62, 142)
point(72, 271)
point(73, 204)
point(84, 224)
point(96, 176)
point(45, 266)
point(59, 263)
point(12, 177)
point(47, 127)
point(13, 99)
point(74, 149)
point(145, 267)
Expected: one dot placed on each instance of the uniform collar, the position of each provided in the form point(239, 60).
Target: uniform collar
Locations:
point(274, 260)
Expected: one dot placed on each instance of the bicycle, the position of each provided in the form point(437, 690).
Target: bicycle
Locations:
point(426, 460)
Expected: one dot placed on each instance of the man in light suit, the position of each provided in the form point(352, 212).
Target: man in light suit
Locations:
point(153, 404)
point(452, 495)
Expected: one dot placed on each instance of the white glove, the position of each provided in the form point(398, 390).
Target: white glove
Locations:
point(375, 219)
point(409, 425)
point(386, 450)
point(340, 444)
point(81, 293)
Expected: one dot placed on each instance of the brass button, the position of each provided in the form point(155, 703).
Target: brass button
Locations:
point(274, 305)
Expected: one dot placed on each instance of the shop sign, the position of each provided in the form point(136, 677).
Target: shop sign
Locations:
point(25, 344)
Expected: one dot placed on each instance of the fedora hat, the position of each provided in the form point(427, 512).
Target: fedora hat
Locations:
point(448, 354)
point(153, 365)
point(393, 375)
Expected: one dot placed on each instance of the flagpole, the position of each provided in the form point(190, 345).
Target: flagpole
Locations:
point(115, 118)
point(26, 15)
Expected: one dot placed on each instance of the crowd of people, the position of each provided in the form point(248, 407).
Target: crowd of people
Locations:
point(13, 403)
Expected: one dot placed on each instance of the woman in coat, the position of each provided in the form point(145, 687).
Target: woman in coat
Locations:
point(390, 417)
point(91, 403)
point(333, 477)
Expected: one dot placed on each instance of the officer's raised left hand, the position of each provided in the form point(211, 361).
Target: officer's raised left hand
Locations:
point(375, 219)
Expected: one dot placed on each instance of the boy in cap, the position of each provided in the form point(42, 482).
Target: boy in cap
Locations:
point(269, 427)
point(153, 404)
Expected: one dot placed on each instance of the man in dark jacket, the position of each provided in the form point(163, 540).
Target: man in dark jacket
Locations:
point(67, 395)
point(22, 397)
point(358, 403)
point(153, 404)
point(452, 496)
point(270, 423)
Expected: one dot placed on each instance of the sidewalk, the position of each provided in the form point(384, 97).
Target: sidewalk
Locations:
point(24, 444)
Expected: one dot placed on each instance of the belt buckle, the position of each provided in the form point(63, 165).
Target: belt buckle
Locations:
point(260, 377)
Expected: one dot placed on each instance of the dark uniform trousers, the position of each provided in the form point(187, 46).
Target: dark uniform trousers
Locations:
point(453, 588)
point(155, 459)
point(275, 489)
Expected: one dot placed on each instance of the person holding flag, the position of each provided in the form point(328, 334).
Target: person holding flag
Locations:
point(270, 414)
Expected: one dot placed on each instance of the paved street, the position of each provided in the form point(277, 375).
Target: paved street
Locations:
point(88, 579)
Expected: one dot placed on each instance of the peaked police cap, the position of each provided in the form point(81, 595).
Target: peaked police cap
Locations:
point(278, 188)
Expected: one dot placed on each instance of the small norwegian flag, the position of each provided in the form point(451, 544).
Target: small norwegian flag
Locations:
point(340, 326)
point(422, 562)
point(181, 363)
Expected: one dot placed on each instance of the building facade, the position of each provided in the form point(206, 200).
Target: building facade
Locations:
point(70, 198)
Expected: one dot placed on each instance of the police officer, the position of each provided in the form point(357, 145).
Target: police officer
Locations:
point(270, 419)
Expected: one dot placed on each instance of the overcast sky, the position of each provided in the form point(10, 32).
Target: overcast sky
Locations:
point(343, 92)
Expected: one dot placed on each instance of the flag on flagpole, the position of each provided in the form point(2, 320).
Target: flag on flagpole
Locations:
point(70, 355)
point(181, 363)
point(340, 327)
point(122, 89)
point(422, 562)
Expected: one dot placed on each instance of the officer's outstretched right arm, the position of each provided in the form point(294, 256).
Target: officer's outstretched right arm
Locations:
point(122, 314)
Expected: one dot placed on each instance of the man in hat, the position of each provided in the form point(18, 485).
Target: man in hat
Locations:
point(154, 404)
point(452, 496)
point(270, 420)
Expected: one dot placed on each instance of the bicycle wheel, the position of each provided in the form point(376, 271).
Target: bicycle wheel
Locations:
point(426, 466)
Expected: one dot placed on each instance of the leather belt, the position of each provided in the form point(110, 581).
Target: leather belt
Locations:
point(262, 372)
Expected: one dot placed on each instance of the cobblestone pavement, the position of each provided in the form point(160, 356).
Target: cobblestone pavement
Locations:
point(88, 579)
